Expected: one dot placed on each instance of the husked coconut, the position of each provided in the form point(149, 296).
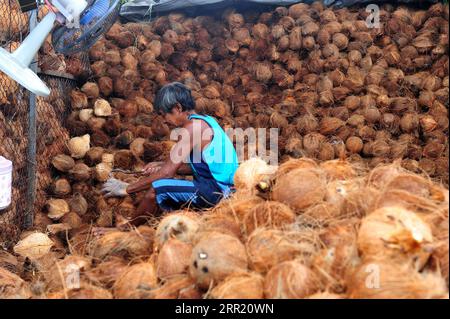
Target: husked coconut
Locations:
point(300, 188)
point(241, 286)
point(384, 279)
point(290, 280)
point(102, 108)
point(215, 257)
point(136, 282)
point(182, 226)
point(79, 146)
point(173, 258)
point(396, 233)
point(34, 245)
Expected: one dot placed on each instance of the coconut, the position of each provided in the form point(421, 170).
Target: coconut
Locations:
point(354, 144)
point(250, 173)
point(300, 188)
point(312, 143)
point(86, 114)
point(34, 245)
point(326, 295)
point(215, 257)
point(181, 226)
point(173, 258)
point(80, 172)
point(78, 99)
point(268, 214)
point(91, 90)
point(78, 146)
point(176, 287)
point(396, 233)
point(338, 170)
point(433, 149)
point(12, 286)
point(102, 172)
point(57, 208)
point(237, 206)
point(102, 108)
point(330, 125)
point(310, 28)
point(61, 187)
point(384, 279)
point(269, 247)
point(409, 122)
point(135, 282)
point(290, 280)
point(117, 243)
point(86, 291)
point(241, 286)
point(106, 273)
point(124, 159)
point(414, 184)
point(58, 274)
point(63, 163)
point(263, 72)
point(221, 222)
point(340, 40)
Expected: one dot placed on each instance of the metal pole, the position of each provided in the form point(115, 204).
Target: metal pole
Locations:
point(31, 168)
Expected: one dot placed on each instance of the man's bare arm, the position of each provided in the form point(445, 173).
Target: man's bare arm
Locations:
point(185, 169)
point(169, 168)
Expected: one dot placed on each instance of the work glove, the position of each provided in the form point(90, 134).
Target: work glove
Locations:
point(115, 188)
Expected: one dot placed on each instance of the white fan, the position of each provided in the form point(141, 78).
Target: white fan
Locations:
point(83, 23)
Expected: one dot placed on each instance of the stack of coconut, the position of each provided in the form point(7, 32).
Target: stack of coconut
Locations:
point(300, 230)
point(333, 86)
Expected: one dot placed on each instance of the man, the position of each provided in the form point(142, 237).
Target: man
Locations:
point(204, 151)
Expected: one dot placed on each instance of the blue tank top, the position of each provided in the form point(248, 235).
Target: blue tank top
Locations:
point(218, 160)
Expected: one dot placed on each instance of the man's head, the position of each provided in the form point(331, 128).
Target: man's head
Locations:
point(174, 101)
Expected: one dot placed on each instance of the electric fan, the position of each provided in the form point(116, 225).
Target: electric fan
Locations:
point(83, 22)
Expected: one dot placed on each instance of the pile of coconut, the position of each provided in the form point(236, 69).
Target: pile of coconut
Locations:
point(333, 86)
point(300, 230)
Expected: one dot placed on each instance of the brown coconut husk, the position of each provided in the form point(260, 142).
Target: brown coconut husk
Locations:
point(290, 280)
point(175, 287)
point(236, 206)
point(241, 286)
point(135, 282)
point(173, 258)
point(106, 273)
point(268, 247)
point(63, 163)
point(58, 275)
point(222, 222)
point(251, 173)
point(215, 257)
point(395, 232)
point(295, 163)
point(180, 225)
point(326, 295)
point(12, 286)
point(339, 170)
point(117, 243)
point(268, 214)
point(384, 279)
point(86, 291)
point(300, 188)
point(334, 263)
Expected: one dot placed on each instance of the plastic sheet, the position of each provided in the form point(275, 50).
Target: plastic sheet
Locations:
point(141, 10)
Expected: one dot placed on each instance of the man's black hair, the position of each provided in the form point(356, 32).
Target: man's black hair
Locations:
point(171, 94)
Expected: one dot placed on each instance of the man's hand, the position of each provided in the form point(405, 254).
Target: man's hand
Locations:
point(115, 188)
point(151, 168)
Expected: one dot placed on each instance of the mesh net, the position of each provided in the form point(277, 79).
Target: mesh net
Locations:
point(15, 139)
point(14, 101)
